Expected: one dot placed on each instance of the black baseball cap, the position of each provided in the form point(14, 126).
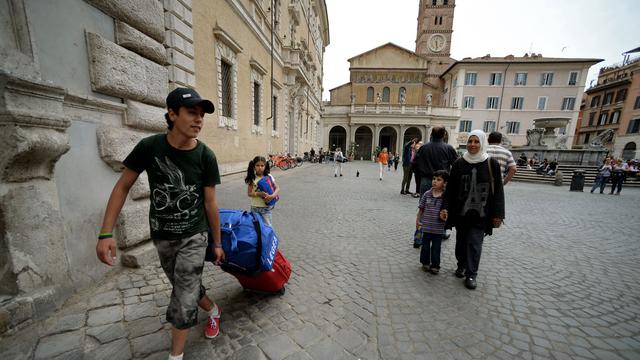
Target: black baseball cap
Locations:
point(188, 97)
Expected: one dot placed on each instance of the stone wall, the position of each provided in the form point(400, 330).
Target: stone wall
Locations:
point(81, 83)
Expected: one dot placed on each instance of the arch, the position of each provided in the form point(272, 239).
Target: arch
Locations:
point(386, 94)
point(337, 138)
point(411, 133)
point(629, 151)
point(388, 138)
point(370, 93)
point(364, 143)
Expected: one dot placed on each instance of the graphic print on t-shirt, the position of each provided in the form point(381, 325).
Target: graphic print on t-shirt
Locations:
point(174, 201)
point(477, 193)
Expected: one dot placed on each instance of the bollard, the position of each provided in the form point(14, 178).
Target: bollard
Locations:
point(558, 179)
point(577, 181)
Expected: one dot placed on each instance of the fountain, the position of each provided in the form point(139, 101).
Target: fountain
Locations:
point(545, 141)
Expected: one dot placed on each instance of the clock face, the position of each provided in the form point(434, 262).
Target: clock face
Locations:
point(437, 42)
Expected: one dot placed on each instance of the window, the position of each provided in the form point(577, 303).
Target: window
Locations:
point(445, 2)
point(517, 103)
point(513, 127)
point(542, 103)
point(637, 103)
point(546, 79)
point(370, 94)
point(465, 126)
point(227, 93)
point(489, 126)
point(256, 104)
point(521, 79)
point(495, 79)
point(621, 95)
point(573, 78)
point(586, 138)
point(274, 112)
point(470, 78)
point(468, 102)
point(455, 82)
point(592, 118)
point(435, 20)
point(634, 126)
point(434, 2)
point(386, 94)
point(440, 22)
point(493, 102)
point(608, 97)
point(603, 117)
point(568, 103)
point(615, 117)
point(595, 101)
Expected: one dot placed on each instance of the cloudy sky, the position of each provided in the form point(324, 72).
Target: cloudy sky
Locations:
point(555, 28)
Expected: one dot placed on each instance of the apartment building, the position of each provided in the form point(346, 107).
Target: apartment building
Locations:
point(261, 63)
point(508, 93)
point(613, 102)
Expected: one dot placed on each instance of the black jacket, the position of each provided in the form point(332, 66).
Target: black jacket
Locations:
point(433, 156)
point(488, 202)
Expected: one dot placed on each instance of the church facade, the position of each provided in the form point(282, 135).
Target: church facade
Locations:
point(394, 94)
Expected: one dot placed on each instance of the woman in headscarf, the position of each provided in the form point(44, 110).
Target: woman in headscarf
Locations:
point(473, 203)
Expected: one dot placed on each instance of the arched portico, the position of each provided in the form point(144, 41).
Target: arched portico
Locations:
point(629, 151)
point(338, 138)
point(388, 138)
point(364, 143)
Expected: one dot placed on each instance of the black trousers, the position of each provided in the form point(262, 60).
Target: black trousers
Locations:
point(469, 248)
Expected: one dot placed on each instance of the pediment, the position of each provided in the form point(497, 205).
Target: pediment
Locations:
point(388, 56)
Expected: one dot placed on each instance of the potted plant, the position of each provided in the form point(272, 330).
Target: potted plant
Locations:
point(351, 151)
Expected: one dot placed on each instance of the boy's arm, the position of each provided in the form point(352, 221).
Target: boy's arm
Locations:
point(418, 217)
point(106, 248)
point(213, 216)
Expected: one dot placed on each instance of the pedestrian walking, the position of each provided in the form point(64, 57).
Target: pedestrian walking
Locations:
point(183, 174)
point(383, 160)
point(504, 157)
point(429, 221)
point(258, 169)
point(618, 176)
point(416, 171)
point(604, 173)
point(474, 204)
point(407, 156)
point(396, 160)
point(433, 156)
point(338, 159)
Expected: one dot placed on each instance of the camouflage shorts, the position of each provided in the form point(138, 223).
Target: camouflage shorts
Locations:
point(182, 260)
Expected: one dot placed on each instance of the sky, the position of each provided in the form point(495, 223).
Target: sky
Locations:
point(555, 28)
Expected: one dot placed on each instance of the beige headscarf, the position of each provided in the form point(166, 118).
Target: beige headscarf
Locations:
point(481, 155)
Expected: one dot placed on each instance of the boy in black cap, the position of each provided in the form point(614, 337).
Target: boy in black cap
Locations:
point(183, 173)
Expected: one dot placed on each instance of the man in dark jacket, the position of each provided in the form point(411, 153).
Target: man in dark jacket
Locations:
point(406, 166)
point(433, 156)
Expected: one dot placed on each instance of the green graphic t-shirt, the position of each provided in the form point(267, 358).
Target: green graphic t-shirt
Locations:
point(176, 181)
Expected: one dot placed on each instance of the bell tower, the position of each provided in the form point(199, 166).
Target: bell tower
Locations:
point(433, 38)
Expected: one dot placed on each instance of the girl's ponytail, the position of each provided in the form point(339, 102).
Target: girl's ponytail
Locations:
point(251, 173)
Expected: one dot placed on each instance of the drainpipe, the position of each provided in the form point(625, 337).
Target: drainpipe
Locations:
point(504, 81)
point(273, 16)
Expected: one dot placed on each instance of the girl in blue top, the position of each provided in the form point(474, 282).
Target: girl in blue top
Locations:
point(258, 168)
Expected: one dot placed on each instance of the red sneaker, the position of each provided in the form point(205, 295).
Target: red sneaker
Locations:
point(212, 328)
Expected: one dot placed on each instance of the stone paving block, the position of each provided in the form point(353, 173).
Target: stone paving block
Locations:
point(105, 299)
point(350, 339)
point(250, 352)
point(151, 343)
point(116, 350)
point(143, 326)
point(138, 311)
point(65, 323)
point(104, 316)
point(107, 333)
point(307, 335)
point(54, 345)
point(278, 347)
point(327, 349)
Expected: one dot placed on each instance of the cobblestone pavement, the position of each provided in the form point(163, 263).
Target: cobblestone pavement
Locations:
point(559, 281)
